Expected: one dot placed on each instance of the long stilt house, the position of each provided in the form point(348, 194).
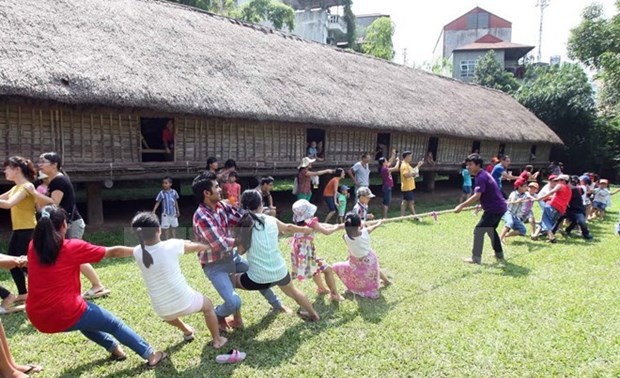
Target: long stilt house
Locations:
point(98, 80)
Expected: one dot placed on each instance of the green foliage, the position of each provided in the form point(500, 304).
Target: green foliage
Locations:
point(490, 73)
point(208, 5)
point(277, 13)
point(349, 19)
point(562, 97)
point(596, 43)
point(378, 39)
point(440, 66)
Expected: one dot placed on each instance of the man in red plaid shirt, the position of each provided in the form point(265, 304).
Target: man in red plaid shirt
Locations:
point(213, 222)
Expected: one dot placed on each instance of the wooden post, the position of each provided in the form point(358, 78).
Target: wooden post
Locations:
point(94, 203)
point(429, 180)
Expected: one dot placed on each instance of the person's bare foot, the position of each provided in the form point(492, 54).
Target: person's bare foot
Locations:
point(21, 298)
point(220, 342)
point(322, 291)
point(282, 310)
point(223, 323)
point(305, 315)
point(236, 324)
point(29, 369)
point(336, 297)
point(8, 301)
point(387, 282)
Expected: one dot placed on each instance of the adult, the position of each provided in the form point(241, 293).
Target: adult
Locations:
point(330, 193)
point(492, 203)
point(500, 173)
point(304, 178)
point(167, 138)
point(264, 188)
point(526, 176)
point(55, 304)
point(213, 223)
point(560, 195)
point(386, 168)
point(213, 165)
point(257, 236)
point(407, 182)
point(60, 192)
point(8, 367)
point(576, 211)
point(360, 172)
point(19, 199)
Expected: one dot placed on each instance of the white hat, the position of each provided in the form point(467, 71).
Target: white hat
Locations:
point(42, 176)
point(303, 210)
point(365, 191)
point(306, 162)
point(562, 177)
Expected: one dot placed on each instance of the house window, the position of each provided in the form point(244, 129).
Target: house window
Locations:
point(157, 145)
point(468, 68)
point(315, 147)
point(475, 147)
point(533, 152)
point(431, 152)
point(501, 150)
point(483, 20)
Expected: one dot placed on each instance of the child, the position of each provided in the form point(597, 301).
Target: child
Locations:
point(305, 263)
point(170, 294)
point(512, 219)
point(360, 273)
point(170, 209)
point(343, 194)
point(257, 235)
point(602, 199)
point(467, 187)
point(527, 214)
point(361, 207)
point(232, 189)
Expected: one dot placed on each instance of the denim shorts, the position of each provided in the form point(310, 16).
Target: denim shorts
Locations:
point(599, 205)
point(331, 205)
point(387, 196)
point(514, 223)
point(467, 189)
point(408, 196)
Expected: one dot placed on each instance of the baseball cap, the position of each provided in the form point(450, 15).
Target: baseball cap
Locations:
point(552, 177)
point(365, 191)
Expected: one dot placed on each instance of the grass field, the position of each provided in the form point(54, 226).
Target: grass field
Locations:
point(552, 310)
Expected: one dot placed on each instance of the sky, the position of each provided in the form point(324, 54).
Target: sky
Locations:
point(419, 23)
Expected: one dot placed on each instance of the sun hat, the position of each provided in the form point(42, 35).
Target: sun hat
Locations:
point(303, 210)
point(552, 177)
point(365, 191)
point(533, 184)
point(306, 162)
point(562, 177)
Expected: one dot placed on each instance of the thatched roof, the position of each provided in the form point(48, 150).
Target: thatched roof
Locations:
point(157, 55)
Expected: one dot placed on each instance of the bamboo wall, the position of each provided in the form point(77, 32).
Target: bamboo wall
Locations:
point(417, 144)
point(452, 151)
point(347, 144)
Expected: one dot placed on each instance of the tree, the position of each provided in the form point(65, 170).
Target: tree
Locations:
point(490, 73)
point(596, 43)
point(563, 98)
point(378, 39)
point(349, 19)
point(256, 11)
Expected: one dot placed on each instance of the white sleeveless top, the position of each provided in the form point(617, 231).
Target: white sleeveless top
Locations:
point(360, 246)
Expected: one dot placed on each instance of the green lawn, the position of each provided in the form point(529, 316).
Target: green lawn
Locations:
point(551, 311)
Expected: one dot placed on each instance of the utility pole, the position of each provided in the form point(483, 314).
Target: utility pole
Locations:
point(542, 4)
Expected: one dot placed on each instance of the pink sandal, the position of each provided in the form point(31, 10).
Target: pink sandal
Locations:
point(233, 356)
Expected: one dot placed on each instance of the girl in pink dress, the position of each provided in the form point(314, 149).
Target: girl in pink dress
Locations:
point(360, 273)
point(304, 262)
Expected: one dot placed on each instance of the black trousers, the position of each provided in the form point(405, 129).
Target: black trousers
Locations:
point(487, 225)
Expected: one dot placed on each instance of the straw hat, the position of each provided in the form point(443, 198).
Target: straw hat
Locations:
point(303, 210)
point(306, 162)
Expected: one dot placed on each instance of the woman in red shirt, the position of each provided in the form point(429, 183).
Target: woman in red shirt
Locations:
point(55, 303)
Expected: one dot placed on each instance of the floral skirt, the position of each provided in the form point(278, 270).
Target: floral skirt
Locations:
point(304, 263)
point(360, 275)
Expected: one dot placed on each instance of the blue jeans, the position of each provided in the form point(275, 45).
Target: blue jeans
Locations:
point(549, 217)
point(99, 325)
point(219, 274)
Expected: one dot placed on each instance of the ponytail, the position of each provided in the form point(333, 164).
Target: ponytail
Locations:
point(146, 226)
point(352, 223)
point(250, 201)
point(47, 238)
point(147, 258)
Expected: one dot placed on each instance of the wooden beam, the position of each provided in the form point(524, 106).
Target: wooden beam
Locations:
point(94, 203)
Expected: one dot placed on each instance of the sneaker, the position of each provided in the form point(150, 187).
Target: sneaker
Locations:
point(588, 237)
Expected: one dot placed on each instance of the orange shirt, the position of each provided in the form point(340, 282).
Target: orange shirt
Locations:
point(331, 189)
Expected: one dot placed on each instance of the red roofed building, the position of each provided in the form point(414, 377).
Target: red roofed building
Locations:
point(469, 37)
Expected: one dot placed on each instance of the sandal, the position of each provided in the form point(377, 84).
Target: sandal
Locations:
point(189, 338)
point(233, 356)
point(32, 368)
point(92, 294)
point(163, 356)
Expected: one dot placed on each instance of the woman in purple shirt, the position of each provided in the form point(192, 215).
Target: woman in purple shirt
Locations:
point(494, 206)
point(386, 168)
